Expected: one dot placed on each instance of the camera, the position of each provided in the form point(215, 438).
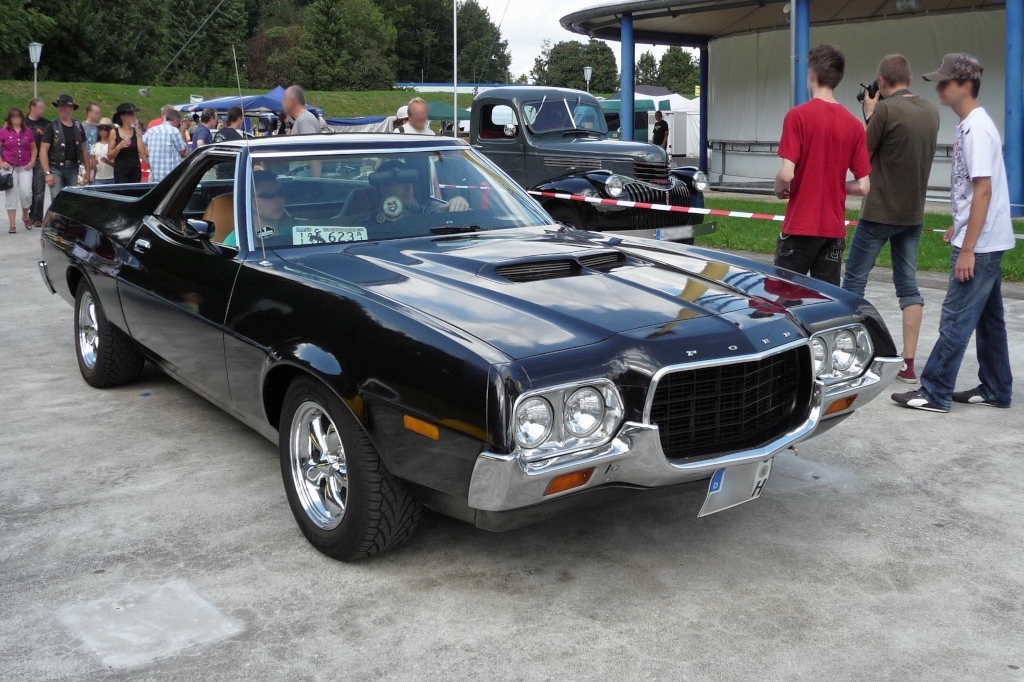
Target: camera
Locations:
point(868, 91)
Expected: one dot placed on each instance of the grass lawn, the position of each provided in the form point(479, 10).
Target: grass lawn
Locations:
point(760, 235)
point(109, 95)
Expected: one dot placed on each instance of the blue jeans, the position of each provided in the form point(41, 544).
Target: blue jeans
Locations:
point(868, 240)
point(65, 176)
point(972, 306)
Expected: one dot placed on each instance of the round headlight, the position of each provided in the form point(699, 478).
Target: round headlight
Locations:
point(819, 351)
point(584, 411)
point(700, 181)
point(844, 350)
point(533, 422)
point(614, 186)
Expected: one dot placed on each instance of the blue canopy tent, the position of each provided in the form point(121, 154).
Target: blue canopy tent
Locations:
point(253, 105)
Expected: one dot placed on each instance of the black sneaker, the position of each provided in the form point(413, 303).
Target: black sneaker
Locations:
point(916, 400)
point(974, 397)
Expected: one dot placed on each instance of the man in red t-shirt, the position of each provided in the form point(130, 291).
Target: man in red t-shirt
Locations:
point(821, 141)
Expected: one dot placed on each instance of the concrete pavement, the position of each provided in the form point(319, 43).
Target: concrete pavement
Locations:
point(888, 549)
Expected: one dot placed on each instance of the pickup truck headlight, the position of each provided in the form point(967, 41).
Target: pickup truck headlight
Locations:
point(700, 181)
point(613, 185)
point(562, 419)
point(840, 354)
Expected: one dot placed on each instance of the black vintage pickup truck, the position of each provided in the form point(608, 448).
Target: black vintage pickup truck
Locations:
point(406, 344)
point(556, 140)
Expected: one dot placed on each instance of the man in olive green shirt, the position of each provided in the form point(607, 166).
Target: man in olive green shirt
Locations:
point(902, 130)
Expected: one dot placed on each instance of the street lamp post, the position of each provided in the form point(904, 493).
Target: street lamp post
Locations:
point(35, 51)
point(588, 71)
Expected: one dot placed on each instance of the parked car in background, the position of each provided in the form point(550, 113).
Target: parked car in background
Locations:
point(557, 140)
point(407, 345)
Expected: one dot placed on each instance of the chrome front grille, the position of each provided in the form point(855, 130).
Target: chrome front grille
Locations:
point(646, 219)
point(656, 173)
point(708, 411)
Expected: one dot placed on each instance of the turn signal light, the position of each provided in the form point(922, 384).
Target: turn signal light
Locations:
point(560, 484)
point(421, 427)
point(840, 405)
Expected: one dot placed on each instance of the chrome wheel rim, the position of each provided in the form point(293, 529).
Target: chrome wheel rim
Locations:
point(319, 469)
point(88, 331)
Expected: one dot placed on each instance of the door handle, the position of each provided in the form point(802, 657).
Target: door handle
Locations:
point(141, 245)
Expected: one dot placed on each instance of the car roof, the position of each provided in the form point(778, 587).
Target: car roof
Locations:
point(345, 141)
point(530, 92)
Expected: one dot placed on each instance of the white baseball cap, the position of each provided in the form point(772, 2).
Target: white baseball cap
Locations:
point(403, 112)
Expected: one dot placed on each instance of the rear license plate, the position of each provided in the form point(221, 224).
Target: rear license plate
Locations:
point(735, 485)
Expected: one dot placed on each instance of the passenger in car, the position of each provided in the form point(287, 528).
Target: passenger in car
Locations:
point(397, 191)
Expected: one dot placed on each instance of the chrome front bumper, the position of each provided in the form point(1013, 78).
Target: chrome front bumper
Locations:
point(634, 456)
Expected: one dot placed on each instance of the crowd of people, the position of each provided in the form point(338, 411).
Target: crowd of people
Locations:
point(38, 155)
point(890, 157)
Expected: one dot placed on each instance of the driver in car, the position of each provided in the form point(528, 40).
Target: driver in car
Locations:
point(270, 219)
point(394, 182)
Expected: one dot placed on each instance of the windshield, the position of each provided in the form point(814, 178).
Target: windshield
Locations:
point(554, 114)
point(303, 201)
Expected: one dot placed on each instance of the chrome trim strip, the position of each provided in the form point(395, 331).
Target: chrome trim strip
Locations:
point(713, 363)
point(46, 276)
point(363, 151)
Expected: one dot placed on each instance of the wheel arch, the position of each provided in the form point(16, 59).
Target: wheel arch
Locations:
point(304, 360)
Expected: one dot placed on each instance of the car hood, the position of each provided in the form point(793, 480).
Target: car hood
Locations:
point(600, 148)
point(480, 283)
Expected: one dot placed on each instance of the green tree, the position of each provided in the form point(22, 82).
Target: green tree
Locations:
point(352, 44)
point(679, 71)
point(20, 24)
point(562, 65)
point(646, 70)
point(483, 55)
point(208, 59)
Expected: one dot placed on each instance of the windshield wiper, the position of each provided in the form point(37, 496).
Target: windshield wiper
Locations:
point(455, 229)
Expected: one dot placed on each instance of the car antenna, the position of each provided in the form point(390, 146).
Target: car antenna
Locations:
point(241, 105)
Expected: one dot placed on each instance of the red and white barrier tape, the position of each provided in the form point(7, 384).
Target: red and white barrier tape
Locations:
point(664, 207)
point(667, 207)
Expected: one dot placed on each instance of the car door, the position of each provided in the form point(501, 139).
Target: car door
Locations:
point(500, 138)
point(175, 289)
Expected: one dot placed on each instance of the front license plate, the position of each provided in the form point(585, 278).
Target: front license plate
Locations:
point(735, 485)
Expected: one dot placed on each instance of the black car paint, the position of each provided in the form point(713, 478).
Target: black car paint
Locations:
point(544, 162)
point(422, 326)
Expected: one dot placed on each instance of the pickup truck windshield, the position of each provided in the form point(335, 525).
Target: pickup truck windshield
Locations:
point(311, 200)
point(559, 114)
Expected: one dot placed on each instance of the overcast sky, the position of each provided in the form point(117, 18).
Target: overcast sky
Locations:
point(528, 22)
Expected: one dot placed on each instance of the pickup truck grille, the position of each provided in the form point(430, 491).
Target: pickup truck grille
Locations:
point(651, 172)
point(710, 411)
point(644, 219)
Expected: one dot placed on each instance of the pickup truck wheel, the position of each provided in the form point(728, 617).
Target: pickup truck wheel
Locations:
point(106, 355)
point(346, 502)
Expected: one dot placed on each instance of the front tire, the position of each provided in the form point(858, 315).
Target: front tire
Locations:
point(345, 501)
point(565, 215)
point(106, 355)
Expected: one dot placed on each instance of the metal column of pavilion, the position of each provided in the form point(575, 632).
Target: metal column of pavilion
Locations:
point(1013, 126)
point(799, 41)
point(627, 100)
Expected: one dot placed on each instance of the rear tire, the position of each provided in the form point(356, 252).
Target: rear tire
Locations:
point(345, 501)
point(106, 355)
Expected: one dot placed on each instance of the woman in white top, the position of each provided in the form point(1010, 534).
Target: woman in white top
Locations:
point(104, 167)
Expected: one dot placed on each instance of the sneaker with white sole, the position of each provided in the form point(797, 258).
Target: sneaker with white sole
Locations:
point(915, 400)
point(974, 397)
point(907, 375)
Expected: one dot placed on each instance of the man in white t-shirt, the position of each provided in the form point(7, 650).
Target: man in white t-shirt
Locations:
point(981, 232)
point(419, 119)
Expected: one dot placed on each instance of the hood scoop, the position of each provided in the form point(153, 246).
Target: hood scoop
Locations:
point(556, 268)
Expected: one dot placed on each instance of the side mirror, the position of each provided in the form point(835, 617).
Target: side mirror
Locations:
point(510, 130)
point(198, 229)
